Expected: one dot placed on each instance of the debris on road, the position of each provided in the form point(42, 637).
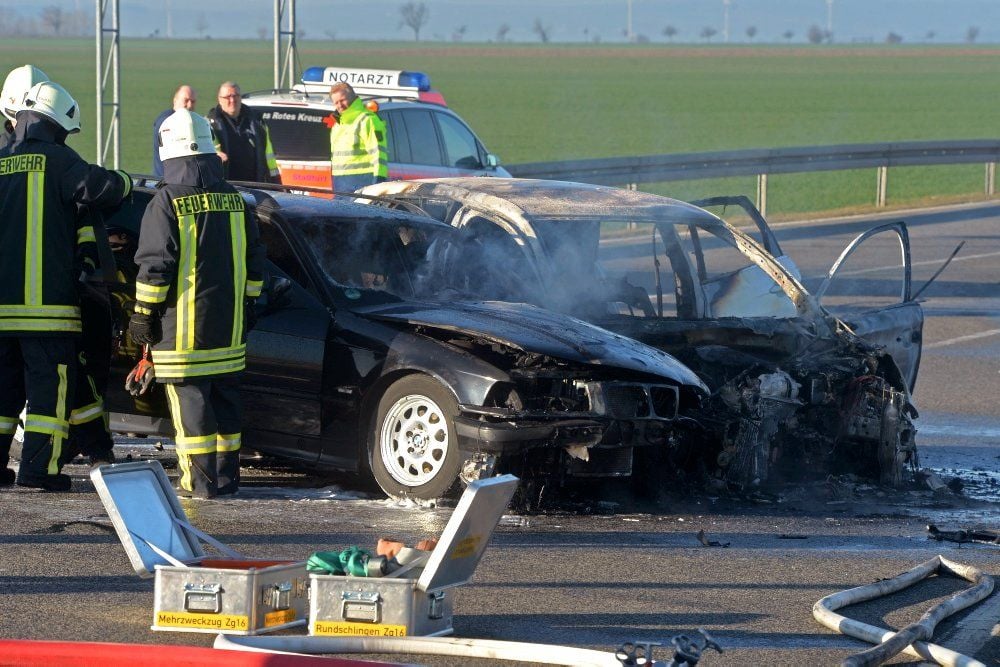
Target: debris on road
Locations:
point(962, 536)
point(710, 543)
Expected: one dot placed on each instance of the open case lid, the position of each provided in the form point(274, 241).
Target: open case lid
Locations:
point(149, 519)
point(464, 539)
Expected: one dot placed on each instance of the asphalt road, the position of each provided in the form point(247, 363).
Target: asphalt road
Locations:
point(610, 573)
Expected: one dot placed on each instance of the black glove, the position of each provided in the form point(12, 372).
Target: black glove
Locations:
point(145, 328)
point(250, 313)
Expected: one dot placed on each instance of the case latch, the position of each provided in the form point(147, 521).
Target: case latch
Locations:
point(203, 598)
point(361, 606)
point(436, 609)
point(277, 596)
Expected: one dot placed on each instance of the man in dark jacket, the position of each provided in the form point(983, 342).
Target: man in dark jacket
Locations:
point(44, 247)
point(244, 143)
point(200, 269)
point(184, 98)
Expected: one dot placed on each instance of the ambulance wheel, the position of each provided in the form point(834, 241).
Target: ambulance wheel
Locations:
point(413, 450)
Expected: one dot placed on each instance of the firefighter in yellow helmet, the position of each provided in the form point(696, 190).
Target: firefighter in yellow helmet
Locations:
point(358, 154)
point(200, 269)
point(44, 246)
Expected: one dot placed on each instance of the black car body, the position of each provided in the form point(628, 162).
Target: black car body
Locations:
point(366, 357)
point(796, 390)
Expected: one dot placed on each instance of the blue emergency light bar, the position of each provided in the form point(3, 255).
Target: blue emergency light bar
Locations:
point(368, 79)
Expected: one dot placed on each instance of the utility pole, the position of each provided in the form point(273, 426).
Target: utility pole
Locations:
point(829, 19)
point(629, 35)
point(170, 21)
point(108, 65)
point(725, 20)
point(285, 56)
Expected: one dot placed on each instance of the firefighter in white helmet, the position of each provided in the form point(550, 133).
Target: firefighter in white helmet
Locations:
point(89, 432)
point(200, 269)
point(17, 84)
point(42, 183)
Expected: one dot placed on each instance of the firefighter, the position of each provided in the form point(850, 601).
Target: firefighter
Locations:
point(358, 154)
point(44, 246)
point(89, 433)
point(18, 82)
point(200, 270)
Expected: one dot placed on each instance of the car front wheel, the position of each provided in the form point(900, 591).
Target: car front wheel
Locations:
point(413, 449)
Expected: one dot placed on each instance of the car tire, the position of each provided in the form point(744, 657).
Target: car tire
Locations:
point(413, 449)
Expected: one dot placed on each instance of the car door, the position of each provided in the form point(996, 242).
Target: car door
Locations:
point(897, 324)
point(282, 387)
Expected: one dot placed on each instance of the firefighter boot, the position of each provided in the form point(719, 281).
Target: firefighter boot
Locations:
point(228, 472)
point(36, 452)
point(198, 475)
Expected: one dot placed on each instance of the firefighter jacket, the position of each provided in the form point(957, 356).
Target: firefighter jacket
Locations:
point(44, 243)
point(357, 143)
point(247, 143)
point(199, 259)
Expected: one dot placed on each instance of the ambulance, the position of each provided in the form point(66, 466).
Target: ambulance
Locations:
point(425, 138)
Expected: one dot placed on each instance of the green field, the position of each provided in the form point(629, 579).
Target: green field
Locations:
point(538, 103)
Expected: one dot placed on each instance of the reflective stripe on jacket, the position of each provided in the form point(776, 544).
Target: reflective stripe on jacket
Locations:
point(357, 143)
point(199, 259)
point(44, 243)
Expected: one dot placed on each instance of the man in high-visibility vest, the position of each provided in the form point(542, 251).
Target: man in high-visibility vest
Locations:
point(44, 246)
point(358, 154)
point(200, 269)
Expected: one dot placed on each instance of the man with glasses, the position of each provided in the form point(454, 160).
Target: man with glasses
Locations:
point(242, 140)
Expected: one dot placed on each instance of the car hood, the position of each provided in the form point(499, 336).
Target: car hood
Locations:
point(532, 329)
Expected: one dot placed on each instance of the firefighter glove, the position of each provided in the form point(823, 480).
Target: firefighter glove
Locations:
point(250, 311)
point(145, 328)
point(140, 378)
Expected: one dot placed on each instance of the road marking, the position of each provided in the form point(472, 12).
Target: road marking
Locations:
point(960, 258)
point(962, 339)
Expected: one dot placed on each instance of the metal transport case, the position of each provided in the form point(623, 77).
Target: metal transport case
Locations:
point(195, 592)
point(417, 602)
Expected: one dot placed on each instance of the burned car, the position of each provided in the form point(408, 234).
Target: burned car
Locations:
point(795, 390)
point(368, 356)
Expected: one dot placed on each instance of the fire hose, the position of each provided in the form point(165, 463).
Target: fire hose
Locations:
point(911, 639)
point(687, 649)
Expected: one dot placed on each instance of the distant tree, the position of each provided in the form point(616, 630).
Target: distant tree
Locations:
point(972, 34)
point(669, 32)
point(930, 35)
point(459, 33)
point(261, 33)
point(788, 34)
point(201, 24)
point(641, 39)
point(300, 33)
point(893, 38)
point(502, 32)
point(541, 30)
point(751, 32)
point(707, 33)
point(815, 34)
point(414, 15)
point(52, 17)
point(332, 34)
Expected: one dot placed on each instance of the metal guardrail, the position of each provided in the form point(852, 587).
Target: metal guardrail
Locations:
point(630, 171)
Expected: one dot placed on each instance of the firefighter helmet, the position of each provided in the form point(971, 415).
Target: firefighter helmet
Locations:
point(185, 133)
point(17, 84)
point(53, 101)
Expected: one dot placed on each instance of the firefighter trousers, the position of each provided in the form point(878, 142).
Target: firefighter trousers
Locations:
point(41, 370)
point(207, 416)
point(88, 421)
